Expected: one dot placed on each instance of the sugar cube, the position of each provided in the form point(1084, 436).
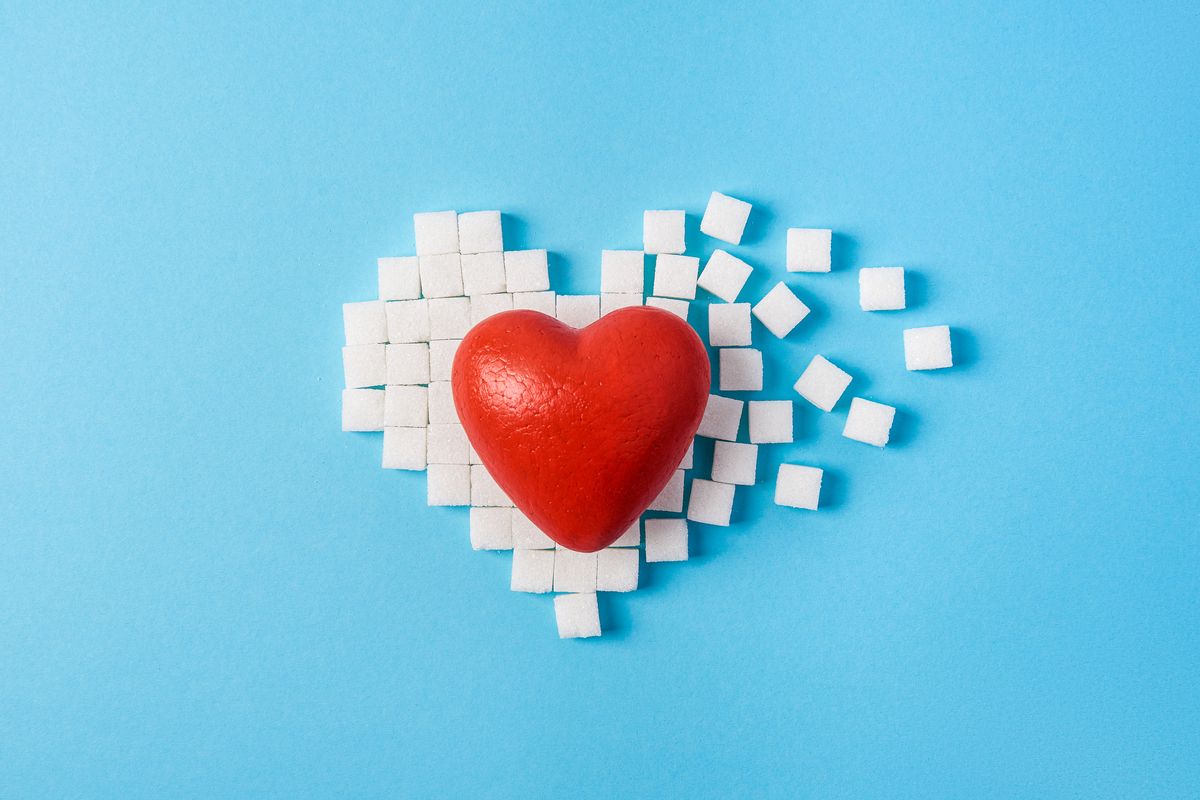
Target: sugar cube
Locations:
point(780, 310)
point(362, 409)
point(671, 496)
point(491, 529)
point(610, 302)
point(770, 421)
point(663, 232)
point(365, 323)
point(543, 302)
point(822, 383)
point(577, 615)
point(734, 462)
point(689, 456)
point(725, 218)
point(404, 448)
point(740, 369)
point(724, 275)
point(441, 404)
point(616, 570)
point(675, 276)
point(881, 288)
point(447, 444)
point(631, 537)
point(869, 422)
point(528, 536)
point(408, 363)
point(441, 358)
point(480, 232)
point(483, 273)
point(578, 310)
point(485, 305)
point(364, 365)
point(798, 486)
point(448, 485)
point(667, 540)
point(408, 321)
point(711, 502)
point(622, 271)
point(399, 278)
point(677, 307)
point(526, 271)
point(449, 317)
point(441, 276)
point(473, 457)
point(405, 406)
point(574, 572)
point(729, 324)
point(808, 249)
point(722, 418)
point(484, 489)
point(532, 571)
point(436, 232)
point(927, 348)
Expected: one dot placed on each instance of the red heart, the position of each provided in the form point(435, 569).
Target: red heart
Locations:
point(582, 428)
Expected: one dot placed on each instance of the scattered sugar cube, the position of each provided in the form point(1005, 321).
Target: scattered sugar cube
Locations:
point(441, 404)
point(798, 486)
point(532, 571)
point(724, 275)
point(808, 249)
point(574, 572)
point(441, 276)
point(780, 310)
point(480, 232)
point(441, 358)
point(484, 489)
point(364, 365)
point(927, 348)
point(449, 317)
point(770, 421)
point(483, 273)
point(362, 410)
point(491, 529)
point(675, 276)
point(740, 369)
point(881, 288)
point(447, 444)
point(869, 422)
point(667, 540)
point(689, 456)
point(543, 302)
point(725, 218)
point(734, 462)
point(405, 406)
point(526, 271)
point(365, 323)
point(616, 570)
point(677, 307)
point(408, 321)
point(448, 485)
point(631, 537)
point(578, 310)
point(485, 305)
point(404, 448)
point(436, 232)
point(528, 536)
point(399, 278)
point(577, 616)
point(671, 496)
point(711, 502)
point(610, 302)
point(729, 324)
point(408, 363)
point(722, 418)
point(663, 232)
point(822, 383)
point(622, 271)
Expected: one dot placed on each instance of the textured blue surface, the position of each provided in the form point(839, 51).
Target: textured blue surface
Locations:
point(207, 590)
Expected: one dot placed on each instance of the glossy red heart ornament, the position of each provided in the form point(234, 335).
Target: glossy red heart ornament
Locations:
point(582, 428)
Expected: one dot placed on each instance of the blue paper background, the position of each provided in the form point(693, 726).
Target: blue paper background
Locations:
point(208, 590)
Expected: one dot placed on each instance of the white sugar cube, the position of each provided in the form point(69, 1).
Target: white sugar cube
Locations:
point(622, 271)
point(543, 302)
point(677, 307)
point(441, 404)
point(666, 540)
point(725, 218)
point(574, 572)
point(483, 273)
point(532, 571)
point(365, 323)
point(689, 456)
point(734, 462)
point(729, 324)
point(798, 486)
point(491, 529)
point(526, 271)
point(724, 275)
point(447, 444)
point(405, 406)
point(364, 365)
point(722, 418)
point(441, 276)
point(740, 369)
point(404, 448)
point(473, 457)
point(663, 232)
point(675, 276)
point(881, 288)
point(711, 502)
point(822, 383)
point(449, 317)
point(671, 496)
point(616, 570)
point(448, 485)
point(399, 278)
point(869, 422)
point(808, 249)
point(362, 410)
point(528, 536)
point(610, 302)
point(631, 537)
point(436, 232)
point(578, 310)
point(484, 489)
point(577, 616)
point(485, 305)
point(780, 310)
point(441, 358)
point(770, 421)
point(480, 232)
point(408, 363)
point(408, 321)
point(928, 348)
